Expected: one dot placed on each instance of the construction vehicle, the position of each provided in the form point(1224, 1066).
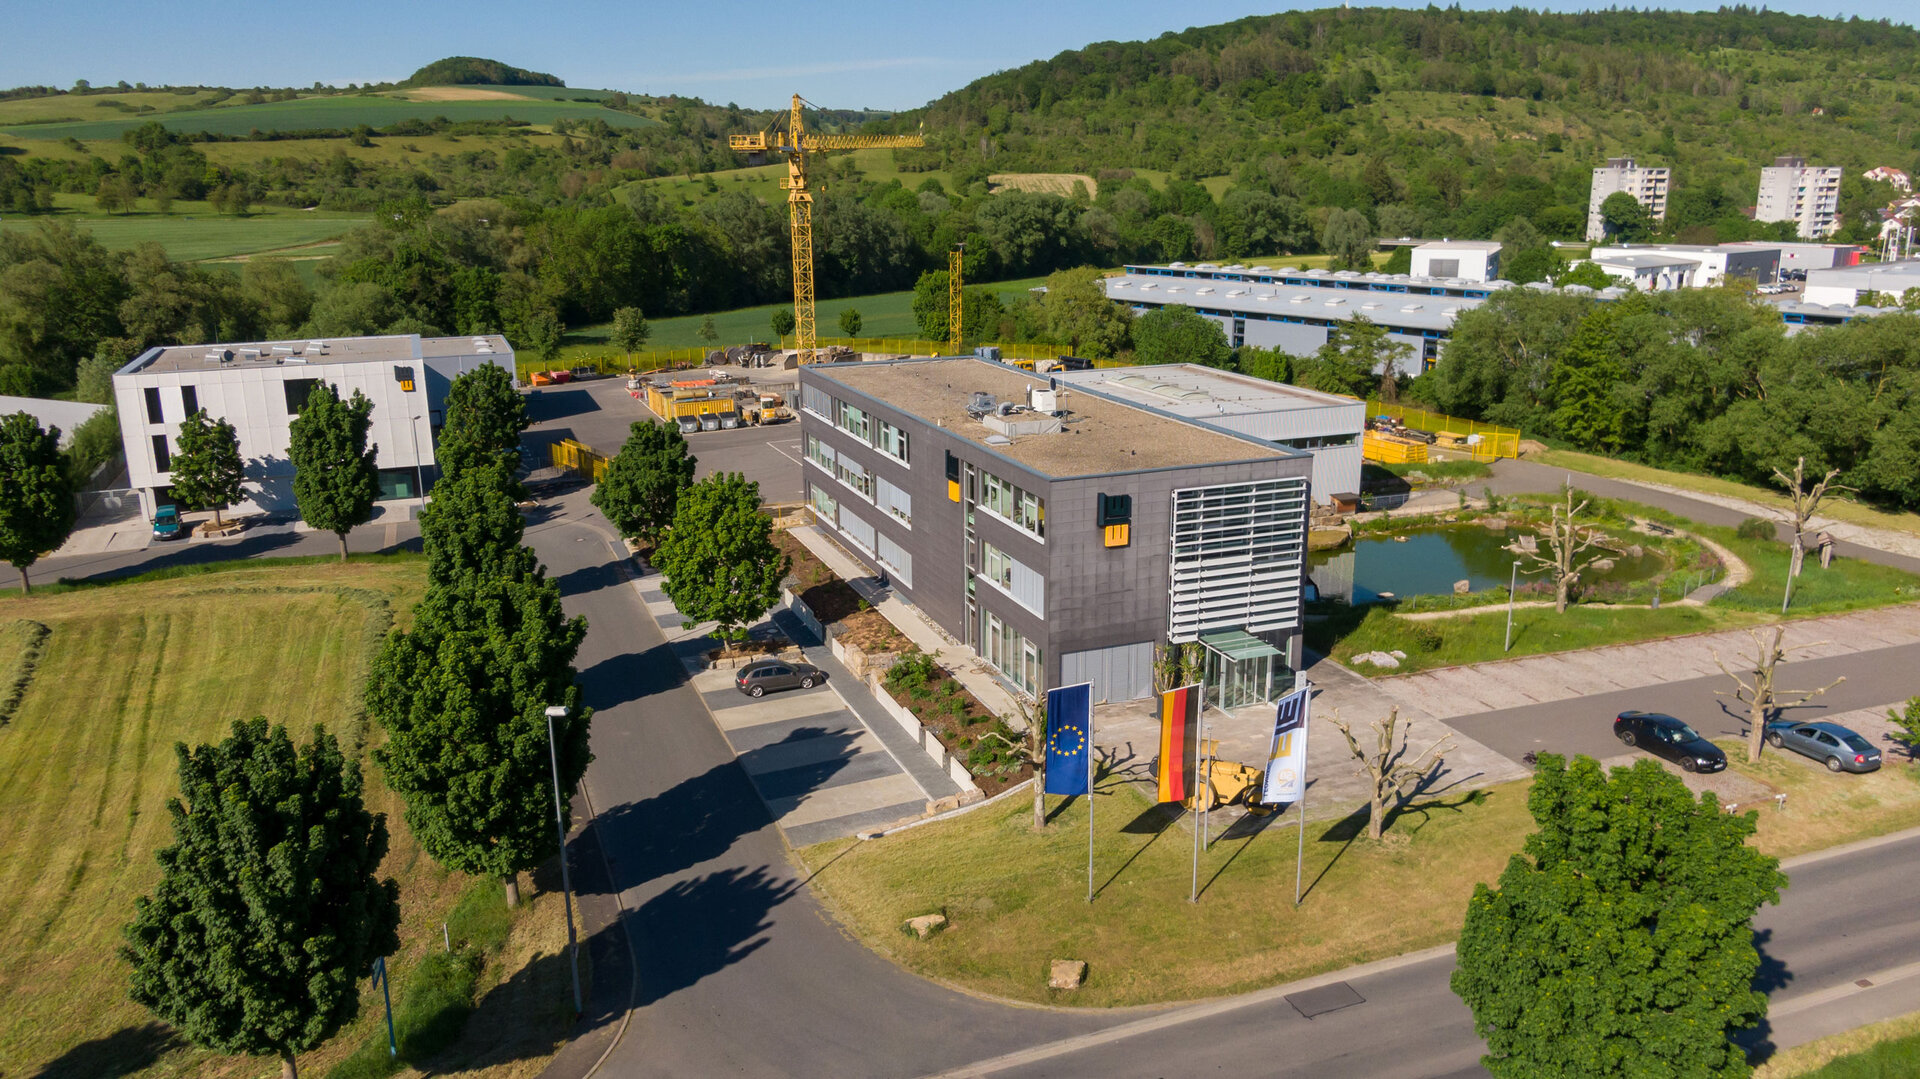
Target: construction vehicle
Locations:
point(761, 408)
point(1228, 782)
point(794, 144)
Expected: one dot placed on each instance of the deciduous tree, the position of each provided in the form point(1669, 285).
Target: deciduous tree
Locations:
point(207, 468)
point(1756, 689)
point(708, 332)
point(1907, 722)
point(1625, 220)
point(472, 527)
point(850, 322)
point(1566, 542)
point(36, 496)
point(334, 478)
point(781, 321)
point(268, 911)
point(1806, 502)
point(719, 561)
point(484, 418)
point(1357, 358)
point(642, 485)
point(1177, 333)
point(630, 331)
point(1348, 238)
point(1619, 942)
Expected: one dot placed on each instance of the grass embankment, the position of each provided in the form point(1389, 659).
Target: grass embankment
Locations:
point(87, 766)
point(1016, 900)
point(1848, 585)
point(1892, 1052)
point(1850, 512)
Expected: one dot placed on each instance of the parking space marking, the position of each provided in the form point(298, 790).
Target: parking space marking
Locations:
point(775, 447)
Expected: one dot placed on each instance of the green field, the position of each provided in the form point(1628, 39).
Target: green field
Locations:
point(192, 232)
point(328, 112)
point(87, 765)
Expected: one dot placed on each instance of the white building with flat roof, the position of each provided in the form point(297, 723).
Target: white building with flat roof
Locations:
point(259, 387)
point(1845, 286)
point(1807, 195)
point(1650, 271)
point(1648, 187)
point(1465, 260)
point(1326, 425)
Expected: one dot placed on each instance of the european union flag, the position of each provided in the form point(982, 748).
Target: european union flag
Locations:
point(1069, 738)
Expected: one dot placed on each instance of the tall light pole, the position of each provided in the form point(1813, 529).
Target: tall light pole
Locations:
point(419, 479)
point(1513, 582)
point(559, 711)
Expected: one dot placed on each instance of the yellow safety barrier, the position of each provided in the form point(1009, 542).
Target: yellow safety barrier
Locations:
point(1485, 441)
point(647, 362)
point(579, 459)
point(1392, 451)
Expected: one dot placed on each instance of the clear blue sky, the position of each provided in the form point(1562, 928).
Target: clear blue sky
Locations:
point(846, 54)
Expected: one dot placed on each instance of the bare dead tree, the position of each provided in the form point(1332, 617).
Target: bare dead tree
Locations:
point(1389, 773)
point(1806, 501)
point(1030, 748)
point(1565, 542)
point(1757, 690)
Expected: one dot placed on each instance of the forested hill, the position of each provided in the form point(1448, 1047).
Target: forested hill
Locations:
point(1457, 119)
point(474, 70)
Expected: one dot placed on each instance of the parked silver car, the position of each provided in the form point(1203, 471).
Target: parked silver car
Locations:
point(756, 678)
point(1840, 749)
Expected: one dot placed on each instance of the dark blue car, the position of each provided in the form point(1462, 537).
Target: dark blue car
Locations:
point(1664, 736)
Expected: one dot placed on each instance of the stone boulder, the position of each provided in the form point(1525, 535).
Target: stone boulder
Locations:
point(1600, 565)
point(1461, 588)
point(1067, 974)
point(927, 925)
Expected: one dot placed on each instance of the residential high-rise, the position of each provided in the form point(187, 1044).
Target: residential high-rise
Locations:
point(1647, 186)
point(1807, 195)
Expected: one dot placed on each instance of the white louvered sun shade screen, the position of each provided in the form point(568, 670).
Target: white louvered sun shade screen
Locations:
point(893, 500)
point(895, 558)
point(856, 530)
point(1238, 555)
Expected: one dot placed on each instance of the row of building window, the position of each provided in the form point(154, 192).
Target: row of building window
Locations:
point(874, 488)
point(1015, 578)
point(863, 535)
point(1010, 653)
point(1017, 506)
point(297, 391)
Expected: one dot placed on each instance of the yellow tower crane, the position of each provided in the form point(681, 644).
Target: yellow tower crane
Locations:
point(795, 143)
point(953, 294)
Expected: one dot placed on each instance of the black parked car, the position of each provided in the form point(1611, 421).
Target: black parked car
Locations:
point(1665, 736)
point(1839, 748)
point(756, 678)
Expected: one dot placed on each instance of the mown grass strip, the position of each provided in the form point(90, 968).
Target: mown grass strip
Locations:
point(21, 643)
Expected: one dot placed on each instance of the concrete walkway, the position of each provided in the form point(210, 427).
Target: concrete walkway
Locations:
point(966, 666)
point(1488, 687)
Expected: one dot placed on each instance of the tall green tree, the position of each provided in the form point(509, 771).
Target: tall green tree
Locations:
point(1177, 333)
point(1357, 359)
point(1594, 398)
point(334, 478)
point(1625, 220)
point(36, 496)
point(268, 911)
point(782, 321)
point(642, 485)
point(463, 696)
point(708, 332)
point(630, 331)
point(484, 418)
point(1075, 312)
point(1619, 942)
point(719, 561)
point(472, 528)
point(1348, 237)
point(207, 468)
point(850, 322)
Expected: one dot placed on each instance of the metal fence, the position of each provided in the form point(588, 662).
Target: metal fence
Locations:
point(1486, 441)
point(662, 359)
point(579, 460)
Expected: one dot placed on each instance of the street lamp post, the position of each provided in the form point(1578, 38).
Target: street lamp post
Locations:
point(1513, 582)
point(419, 479)
point(559, 711)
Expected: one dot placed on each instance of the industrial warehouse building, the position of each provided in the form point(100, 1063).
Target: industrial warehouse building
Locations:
point(1061, 531)
point(1326, 425)
point(1847, 285)
point(259, 387)
point(1711, 264)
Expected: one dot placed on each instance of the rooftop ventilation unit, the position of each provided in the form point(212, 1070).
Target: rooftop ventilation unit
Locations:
point(998, 440)
point(316, 346)
point(249, 353)
point(1203, 292)
point(1263, 269)
point(979, 404)
point(218, 355)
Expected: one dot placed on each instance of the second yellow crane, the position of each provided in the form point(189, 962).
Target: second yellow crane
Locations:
point(795, 143)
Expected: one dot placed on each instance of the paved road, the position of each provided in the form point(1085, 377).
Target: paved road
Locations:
point(1844, 917)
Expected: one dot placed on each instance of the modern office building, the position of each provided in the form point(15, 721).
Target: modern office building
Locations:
point(259, 387)
point(1060, 531)
point(1807, 195)
point(1648, 186)
point(1467, 260)
point(1849, 285)
point(1713, 263)
point(1806, 256)
point(1326, 425)
point(1298, 318)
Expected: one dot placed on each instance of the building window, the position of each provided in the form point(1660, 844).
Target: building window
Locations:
point(1016, 579)
point(298, 390)
point(824, 506)
point(858, 532)
point(855, 477)
point(815, 400)
point(820, 453)
point(153, 407)
point(396, 483)
point(162, 458)
point(895, 558)
point(893, 442)
point(853, 421)
point(1015, 657)
point(189, 401)
point(1015, 505)
point(893, 500)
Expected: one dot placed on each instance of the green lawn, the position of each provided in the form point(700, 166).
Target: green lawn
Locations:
point(192, 232)
point(87, 765)
point(325, 112)
point(1016, 899)
point(1884, 1050)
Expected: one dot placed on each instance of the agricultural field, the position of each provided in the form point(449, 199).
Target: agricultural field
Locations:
point(192, 232)
point(328, 111)
point(87, 766)
point(1044, 183)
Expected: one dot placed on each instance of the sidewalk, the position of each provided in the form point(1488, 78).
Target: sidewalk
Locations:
point(1513, 683)
point(954, 656)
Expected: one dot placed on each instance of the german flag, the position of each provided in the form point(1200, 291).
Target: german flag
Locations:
point(1179, 743)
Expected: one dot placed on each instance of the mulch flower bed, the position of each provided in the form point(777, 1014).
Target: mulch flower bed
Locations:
point(959, 720)
point(834, 602)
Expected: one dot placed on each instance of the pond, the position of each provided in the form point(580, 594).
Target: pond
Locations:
point(1429, 560)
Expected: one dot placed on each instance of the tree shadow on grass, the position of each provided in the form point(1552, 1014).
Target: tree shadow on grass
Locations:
point(528, 1015)
point(123, 1052)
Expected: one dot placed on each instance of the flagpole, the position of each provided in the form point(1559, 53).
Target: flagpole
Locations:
point(1089, 804)
point(1300, 857)
point(1199, 745)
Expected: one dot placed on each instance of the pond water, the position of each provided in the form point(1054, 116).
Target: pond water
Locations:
point(1432, 559)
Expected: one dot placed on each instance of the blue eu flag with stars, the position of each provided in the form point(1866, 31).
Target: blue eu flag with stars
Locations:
point(1069, 738)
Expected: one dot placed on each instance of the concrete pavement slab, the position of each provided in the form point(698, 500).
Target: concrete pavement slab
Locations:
point(803, 752)
point(747, 740)
point(731, 708)
point(830, 803)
